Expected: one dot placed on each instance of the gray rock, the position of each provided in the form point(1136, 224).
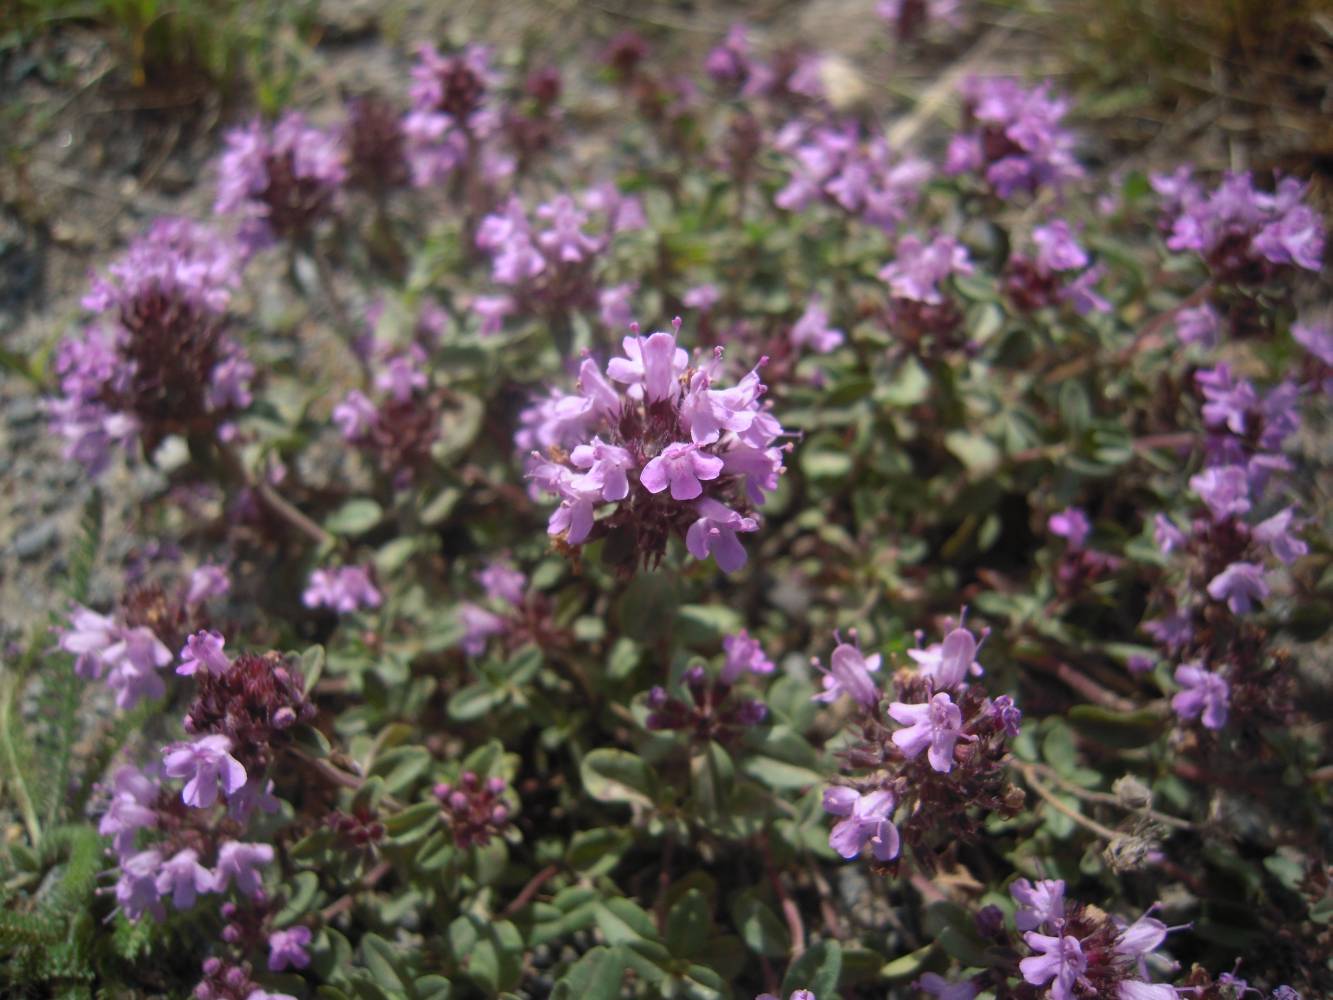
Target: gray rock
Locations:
point(33, 541)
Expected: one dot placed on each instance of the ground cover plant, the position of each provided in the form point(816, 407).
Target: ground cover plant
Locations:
point(758, 550)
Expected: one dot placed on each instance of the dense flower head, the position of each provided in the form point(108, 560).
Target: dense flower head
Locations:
point(157, 359)
point(252, 706)
point(375, 146)
point(547, 260)
point(911, 18)
point(712, 710)
point(344, 590)
point(1016, 140)
point(656, 437)
point(475, 809)
point(1244, 233)
point(454, 111)
point(280, 180)
point(401, 425)
point(938, 744)
point(1056, 272)
point(919, 268)
point(128, 658)
point(835, 166)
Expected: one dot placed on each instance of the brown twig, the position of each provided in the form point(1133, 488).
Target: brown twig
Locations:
point(273, 500)
point(1055, 802)
point(345, 903)
point(1109, 799)
point(531, 889)
point(790, 911)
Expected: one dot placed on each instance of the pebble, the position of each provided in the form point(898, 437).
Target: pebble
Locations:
point(33, 541)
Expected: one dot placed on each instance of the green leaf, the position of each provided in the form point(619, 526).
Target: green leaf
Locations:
point(355, 517)
point(623, 921)
point(689, 925)
point(759, 926)
point(475, 701)
point(597, 851)
point(401, 767)
point(817, 970)
point(611, 775)
point(647, 609)
point(383, 961)
point(907, 966)
point(979, 456)
point(595, 976)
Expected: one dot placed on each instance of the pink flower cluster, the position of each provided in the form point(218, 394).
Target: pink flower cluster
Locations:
point(280, 181)
point(454, 113)
point(655, 437)
point(156, 360)
point(548, 265)
point(835, 165)
point(1017, 141)
point(1242, 232)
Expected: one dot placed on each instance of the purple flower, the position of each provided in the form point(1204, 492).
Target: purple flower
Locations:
point(1202, 693)
point(867, 819)
point(401, 377)
point(355, 415)
point(701, 297)
point(280, 180)
point(478, 627)
point(1224, 488)
point(1040, 904)
point(130, 809)
point(206, 582)
point(1168, 537)
point(1011, 719)
point(206, 763)
point(1199, 325)
point(136, 888)
point(451, 111)
point(1133, 989)
point(344, 590)
point(1316, 336)
point(680, 466)
point(241, 861)
point(1173, 631)
point(936, 725)
point(812, 330)
point(608, 467)
point(1021, 144)
point(614, 305)
point(287, 948)
point(1072, 525)
point(204, 649)
point(653, 362)
point(1236, 225)
point(938, 986)
point(714, 533)
point(948, 663)
point(503, 583)
point(1227, 401)
point(130, 658)
point(184, 878)
point(918, 268)
point(849, 673)
point(708, 412)
point(1275, 532)
point(1061, 960)
point(1057, 250)
point(492, 310)
point(1239, 585)
point(744, 653)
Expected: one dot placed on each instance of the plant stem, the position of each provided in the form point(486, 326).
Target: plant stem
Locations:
point(16, 781)
point(1054, 801)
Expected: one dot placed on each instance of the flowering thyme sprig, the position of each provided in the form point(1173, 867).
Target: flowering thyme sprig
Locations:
point(675, 455)
point(940, 768)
